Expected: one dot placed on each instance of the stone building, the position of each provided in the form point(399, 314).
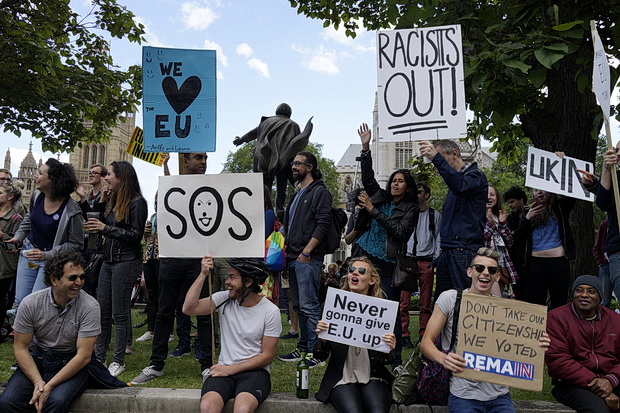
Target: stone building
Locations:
point(81, 158)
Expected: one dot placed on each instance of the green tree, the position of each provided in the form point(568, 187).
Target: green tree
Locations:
point(57, 78)
point(242, 160)
point(528, 69)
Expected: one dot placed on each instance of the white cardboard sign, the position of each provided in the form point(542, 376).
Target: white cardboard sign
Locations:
point(221, 215)
point(358, 320)
point(547, 171)
point(420, 80)
point(600, 73)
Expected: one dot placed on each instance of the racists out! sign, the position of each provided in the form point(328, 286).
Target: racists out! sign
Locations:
point(421, 90)
point(179, 104)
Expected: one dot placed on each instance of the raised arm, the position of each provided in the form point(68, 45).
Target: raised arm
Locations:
point(193, 304)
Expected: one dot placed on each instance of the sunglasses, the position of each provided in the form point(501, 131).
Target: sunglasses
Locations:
point(360, 270)
point(480, 268)
point(74, 278)
point(297, 163)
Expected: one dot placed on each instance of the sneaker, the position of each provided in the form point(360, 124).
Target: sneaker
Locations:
point(198, 351)
point(148, 336)
point(181, 351)
point(116, 369)
point(313, 362)
point(149, 373)
point(396, 370)
point(294, 355)
point(128, 350)
point(290, 334)
point(205, 374)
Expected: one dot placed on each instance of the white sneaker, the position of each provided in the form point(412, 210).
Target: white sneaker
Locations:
point(116, 369)
point(148, 336)
point(148, 373)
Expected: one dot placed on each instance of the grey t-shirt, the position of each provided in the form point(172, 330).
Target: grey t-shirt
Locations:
point(54, 328)
point(463, 388)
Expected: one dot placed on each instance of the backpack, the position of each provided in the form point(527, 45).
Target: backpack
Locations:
point(339, 219)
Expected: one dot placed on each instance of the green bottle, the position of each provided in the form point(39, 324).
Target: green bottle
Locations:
point(303, 378)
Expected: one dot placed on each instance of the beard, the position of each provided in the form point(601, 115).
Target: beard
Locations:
point(300, 176)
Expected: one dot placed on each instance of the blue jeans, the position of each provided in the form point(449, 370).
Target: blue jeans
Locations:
point(503, 404)
point(614, 272)
point(451, 270)
point(604, 277)
point(116, 281)
point(19, 390)
point(304, 280)
point(28, 279)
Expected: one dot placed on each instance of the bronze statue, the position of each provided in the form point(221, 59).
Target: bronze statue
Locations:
point(278, 141)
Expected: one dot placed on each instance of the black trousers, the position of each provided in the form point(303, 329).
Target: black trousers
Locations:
point(580, 399)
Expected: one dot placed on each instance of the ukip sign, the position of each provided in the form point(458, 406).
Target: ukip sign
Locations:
point(179, 103)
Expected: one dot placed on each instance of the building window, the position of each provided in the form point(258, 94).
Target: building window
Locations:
point(94, 155)
point(85, 161)
point(404, 152)
point(102, 155)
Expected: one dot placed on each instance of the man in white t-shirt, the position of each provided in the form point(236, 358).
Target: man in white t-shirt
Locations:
point(250, 327)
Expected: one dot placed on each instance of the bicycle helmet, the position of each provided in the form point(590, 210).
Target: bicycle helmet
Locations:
point(250, 267)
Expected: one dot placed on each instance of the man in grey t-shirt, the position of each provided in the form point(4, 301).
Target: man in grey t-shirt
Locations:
point(63, 321)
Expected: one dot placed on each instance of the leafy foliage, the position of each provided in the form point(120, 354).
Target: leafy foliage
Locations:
point(57, 78)
point(241, 161)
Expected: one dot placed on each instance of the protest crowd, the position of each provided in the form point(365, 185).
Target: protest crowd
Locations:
point(80, 254)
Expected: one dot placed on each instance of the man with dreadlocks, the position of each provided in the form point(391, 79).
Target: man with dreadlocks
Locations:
point(249, 326)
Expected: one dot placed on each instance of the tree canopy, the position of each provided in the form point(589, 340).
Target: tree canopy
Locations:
point(528, 69)
point(57, 77)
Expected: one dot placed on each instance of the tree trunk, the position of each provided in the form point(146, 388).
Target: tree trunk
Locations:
point(565, 123)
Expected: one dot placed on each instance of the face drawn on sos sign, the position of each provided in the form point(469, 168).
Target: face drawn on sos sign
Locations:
point(219, 215)
point(421, 88)
point(547, 171)
point(179, 103)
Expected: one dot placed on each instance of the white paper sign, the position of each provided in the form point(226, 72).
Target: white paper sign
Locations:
point(221, 215)
point(547, 171)
point(420, 88)
point(358, 320)
point(600, 73)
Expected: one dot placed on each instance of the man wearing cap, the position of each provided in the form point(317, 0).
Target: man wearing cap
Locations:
point(249, 326)
point(584, 357)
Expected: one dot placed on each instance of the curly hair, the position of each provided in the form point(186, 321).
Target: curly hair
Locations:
point(542, 218)
point(63, 178)
point(12, 190)
point(129, 188)
point(374, 290)
point(412, 189)
point(55, 267)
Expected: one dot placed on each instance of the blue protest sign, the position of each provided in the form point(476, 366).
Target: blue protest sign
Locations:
point(179, 100)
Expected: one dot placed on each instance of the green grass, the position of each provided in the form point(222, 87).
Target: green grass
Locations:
point(185, 372)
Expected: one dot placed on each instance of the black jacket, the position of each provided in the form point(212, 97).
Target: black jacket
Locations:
point(404, 219)
point(312, 219)
point(333, 373)
point(123, 241)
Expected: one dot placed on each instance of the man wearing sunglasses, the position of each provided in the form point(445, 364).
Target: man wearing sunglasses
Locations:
point(63, 322)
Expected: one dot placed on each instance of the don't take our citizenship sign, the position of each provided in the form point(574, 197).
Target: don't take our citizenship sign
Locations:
point(358, 320)
point(498, 338)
